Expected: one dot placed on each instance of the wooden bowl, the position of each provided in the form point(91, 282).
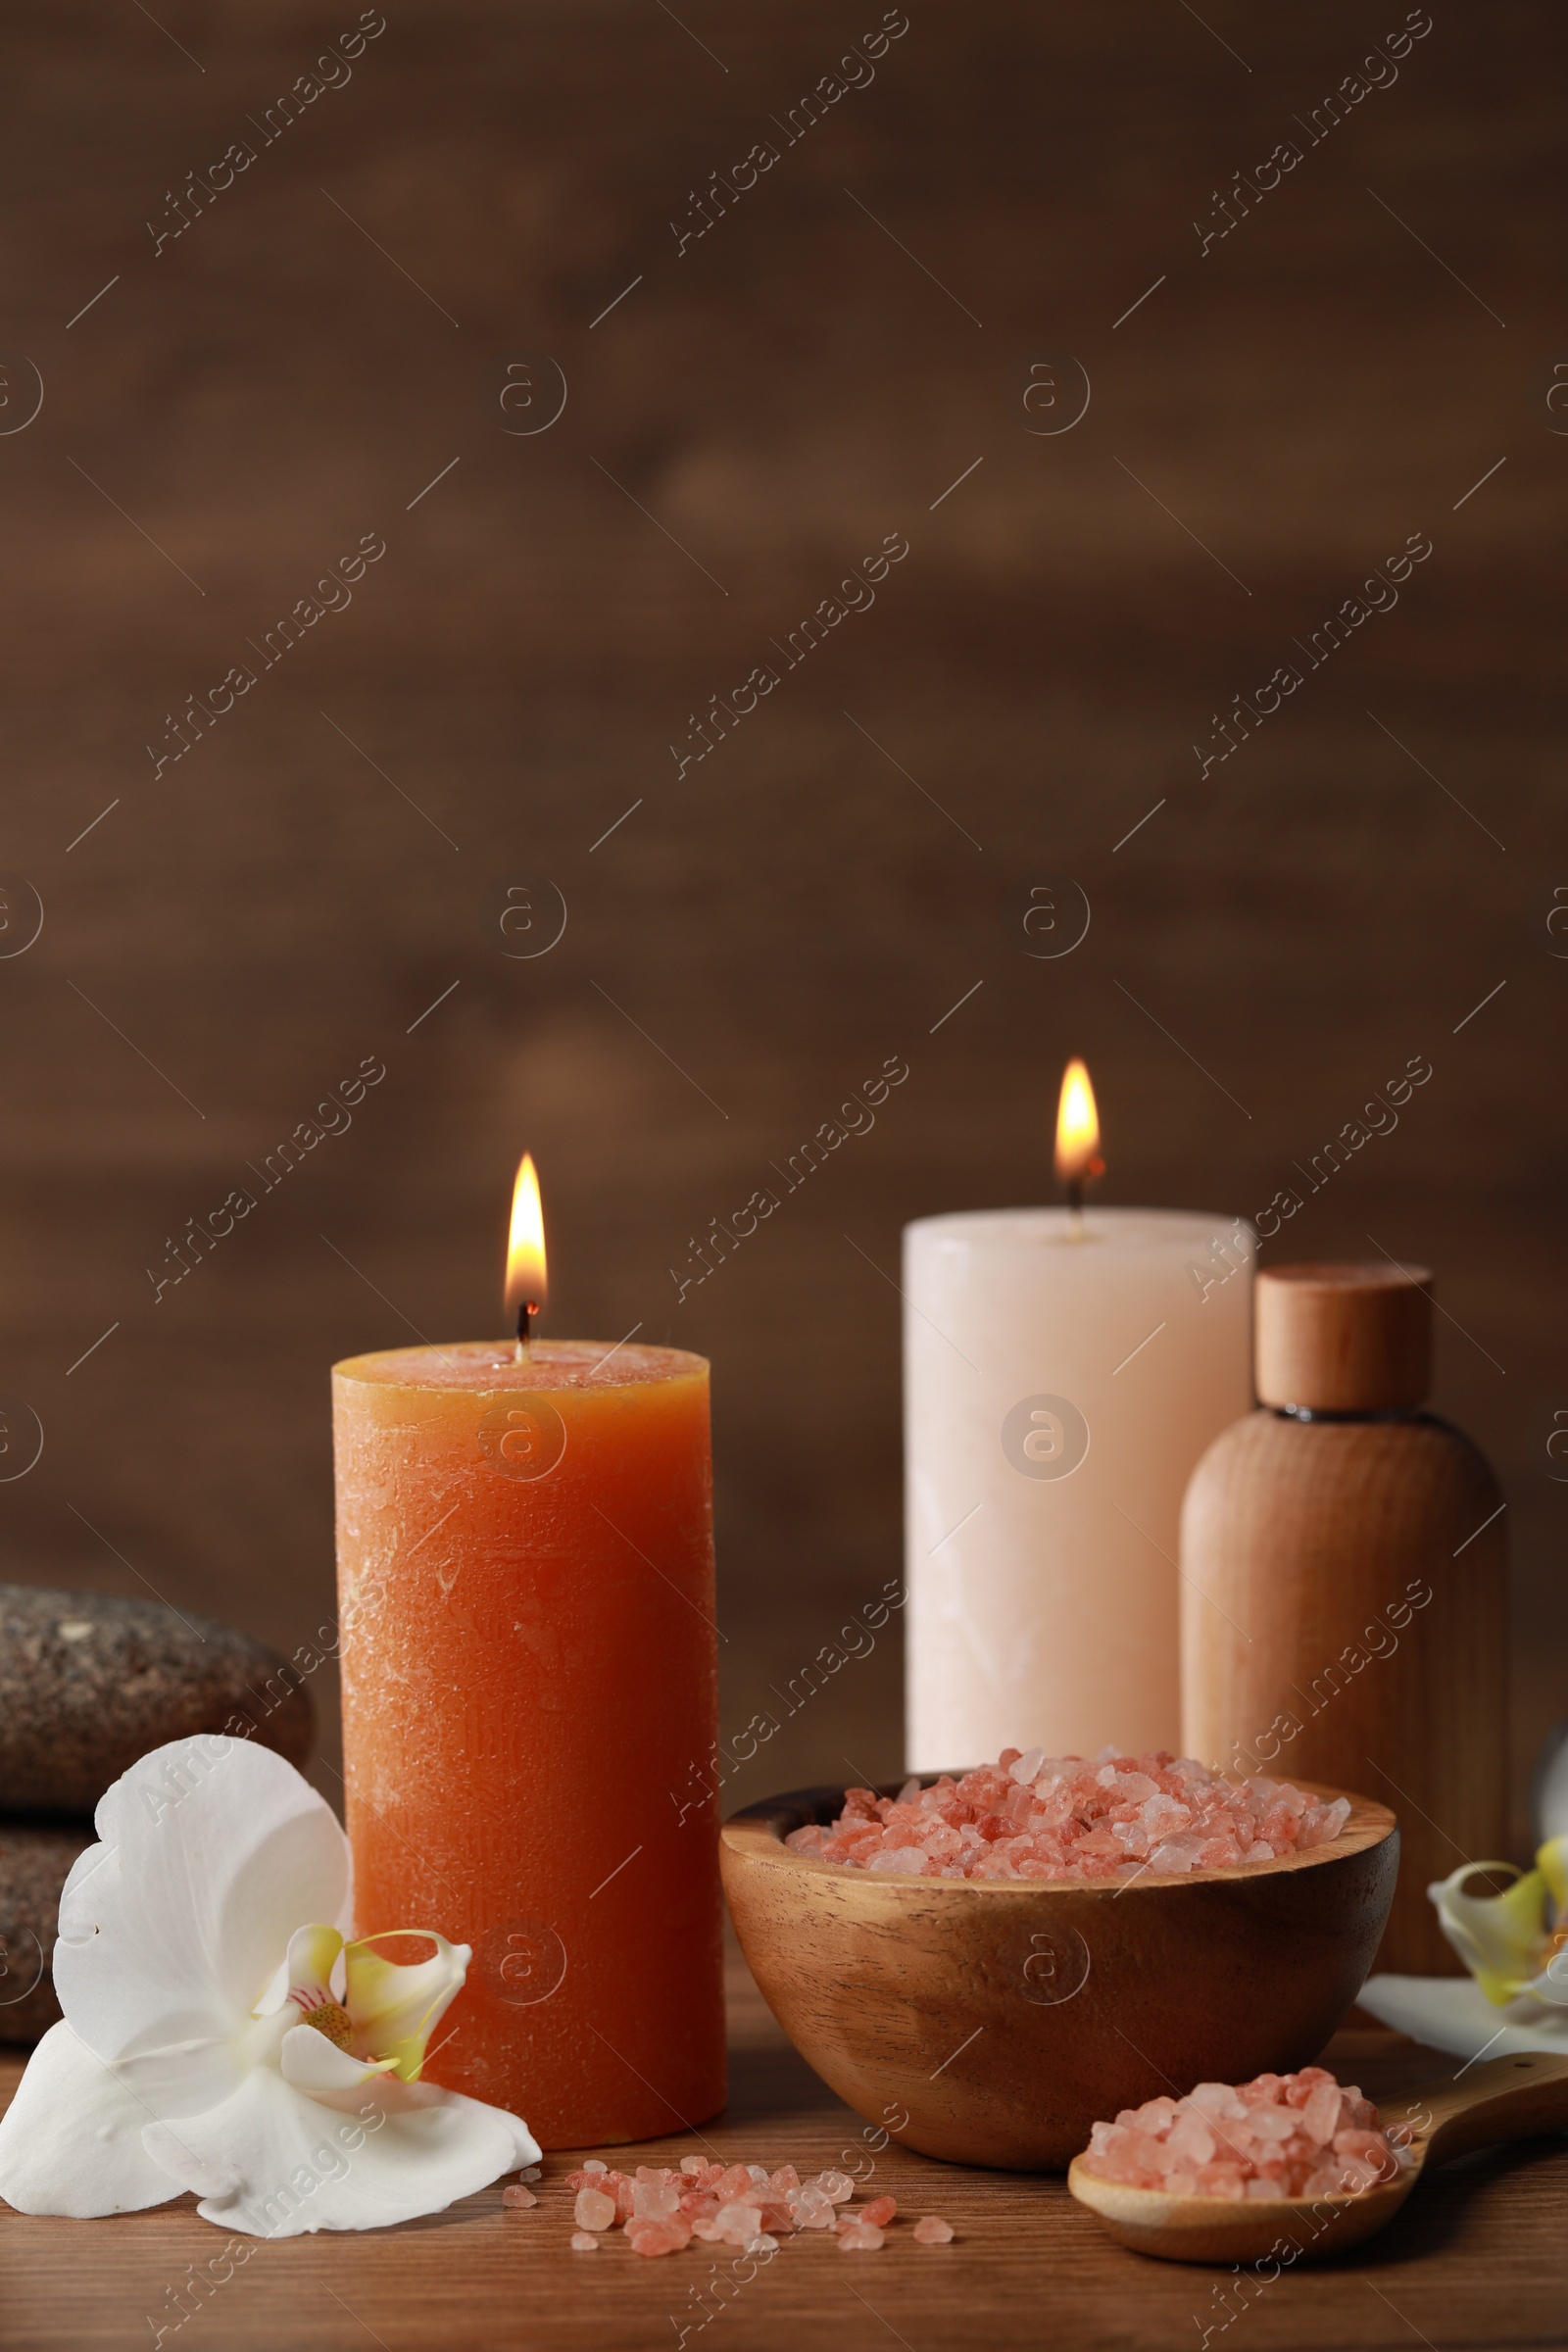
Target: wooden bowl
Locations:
point(993, 2022)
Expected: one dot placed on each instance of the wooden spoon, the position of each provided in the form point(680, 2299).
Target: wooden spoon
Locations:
point(1508, 2098)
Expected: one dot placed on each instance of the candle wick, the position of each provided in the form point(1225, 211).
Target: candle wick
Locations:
point(527, 1312)
point(1075, 1208)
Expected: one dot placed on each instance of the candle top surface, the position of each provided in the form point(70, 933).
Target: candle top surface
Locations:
point(1124, 1228)
point(483, 1365)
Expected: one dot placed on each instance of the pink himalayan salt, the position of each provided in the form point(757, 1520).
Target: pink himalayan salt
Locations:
point(741, 2205)
point(737, 2204)
point(517, 2195)
point(812, 2209)
point(1038, 1817)
point(584, 2242)
point(653, 2200)
point(735, 2224)
point(733, 2181)
point(1279, 2136)
point(666, 2236)
point(932, 2230)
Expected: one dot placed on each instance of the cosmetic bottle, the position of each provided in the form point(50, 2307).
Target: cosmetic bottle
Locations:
point(1345, 1584)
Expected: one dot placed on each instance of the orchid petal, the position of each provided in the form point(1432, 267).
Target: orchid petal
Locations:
point(313, 2063)
point(1450, 2013)
point(313, 1954)
point(71, 2139)
point(396, 2009)
point(212, 1851)
point(273, 2163)
point(277, 1992)
point(185, 2076)
point(1499, 1937)
point(1552, 1863)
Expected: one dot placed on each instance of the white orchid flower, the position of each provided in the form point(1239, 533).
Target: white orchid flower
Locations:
point(218, 2038)
point(1515, 1944)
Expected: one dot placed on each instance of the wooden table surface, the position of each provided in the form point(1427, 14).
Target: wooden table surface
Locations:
point(1477, 2258)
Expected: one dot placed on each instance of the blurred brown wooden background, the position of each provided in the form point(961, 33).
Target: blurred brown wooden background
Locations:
point(853, 334)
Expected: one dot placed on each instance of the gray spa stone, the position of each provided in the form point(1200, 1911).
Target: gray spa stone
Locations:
point(89, 1681)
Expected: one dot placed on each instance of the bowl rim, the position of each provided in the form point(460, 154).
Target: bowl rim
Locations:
point(757, 1834)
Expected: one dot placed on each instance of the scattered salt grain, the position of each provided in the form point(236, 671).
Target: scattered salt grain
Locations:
point(1030, 1816)
point(653, 2202)
point(743, 2206)
point(652, 2238)
point(932, 2230)
point(812, 2209)
point(1279, 2136)
point(582, 2242)
point(517, 2195)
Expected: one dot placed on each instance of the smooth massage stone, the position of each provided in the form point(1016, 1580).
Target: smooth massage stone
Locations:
point(89, 1681)
point(36, 1858)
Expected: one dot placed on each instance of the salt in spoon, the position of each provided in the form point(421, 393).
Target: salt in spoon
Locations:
point(1515, 2097)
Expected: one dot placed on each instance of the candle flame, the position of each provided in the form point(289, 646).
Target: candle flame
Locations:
point(1077, 1127)
point(525, 1247)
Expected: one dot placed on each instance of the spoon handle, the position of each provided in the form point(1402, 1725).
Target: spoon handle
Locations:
point(1515, 2097)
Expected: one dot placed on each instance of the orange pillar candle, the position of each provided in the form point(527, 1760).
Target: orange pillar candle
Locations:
point(525, 1574)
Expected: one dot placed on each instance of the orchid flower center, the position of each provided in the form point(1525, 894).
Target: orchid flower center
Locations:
point(386, 2012)
point(319, 2010)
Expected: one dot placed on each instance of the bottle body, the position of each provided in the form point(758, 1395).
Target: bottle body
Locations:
point(1344, 1619)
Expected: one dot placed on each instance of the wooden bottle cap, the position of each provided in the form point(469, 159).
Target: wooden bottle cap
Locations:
point(1344, 1338)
